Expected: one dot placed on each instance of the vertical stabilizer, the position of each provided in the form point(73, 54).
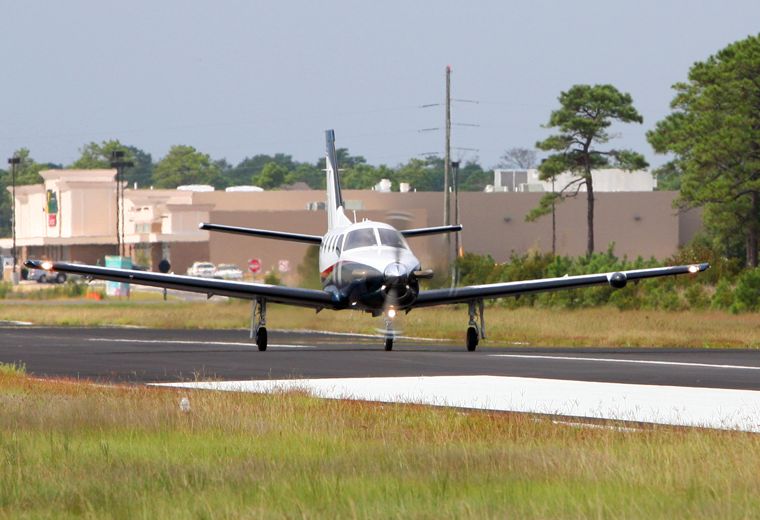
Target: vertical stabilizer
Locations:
point(335, 207)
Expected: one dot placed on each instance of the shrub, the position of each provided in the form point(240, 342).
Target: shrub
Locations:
point(747, 292)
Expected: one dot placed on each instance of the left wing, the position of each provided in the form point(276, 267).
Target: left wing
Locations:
point(211, 287)
point(497, 290)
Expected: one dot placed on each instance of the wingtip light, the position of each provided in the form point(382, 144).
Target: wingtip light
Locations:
point(693, 269)
point(47, 266)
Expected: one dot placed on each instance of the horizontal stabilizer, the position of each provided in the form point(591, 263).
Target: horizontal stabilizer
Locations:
point(430, 230)
point(263, 233)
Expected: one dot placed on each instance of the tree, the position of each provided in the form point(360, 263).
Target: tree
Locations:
point(422, 174)
point(252, 166)
point(98, 155)
point(186, 165)
point(271, 176)
point(518, 159)
point(585, 114)
point(714, 132)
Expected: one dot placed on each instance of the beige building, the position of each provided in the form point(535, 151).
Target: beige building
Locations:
point(164, 223)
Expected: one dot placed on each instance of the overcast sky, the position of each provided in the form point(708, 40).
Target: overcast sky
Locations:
point(237, 78)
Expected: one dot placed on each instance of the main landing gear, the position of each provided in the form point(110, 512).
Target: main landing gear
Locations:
point(259, 322)
point(475, 331)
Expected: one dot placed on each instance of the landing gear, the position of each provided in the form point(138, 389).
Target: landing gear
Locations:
point(472, 338)
point(475, 332)
point(388, 333)
point(258, 323)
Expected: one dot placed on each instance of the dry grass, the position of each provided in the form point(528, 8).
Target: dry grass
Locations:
point(603, 326)
point(70, 449)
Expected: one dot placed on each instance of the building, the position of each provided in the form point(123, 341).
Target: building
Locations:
point(606, 180)
point(72, 216)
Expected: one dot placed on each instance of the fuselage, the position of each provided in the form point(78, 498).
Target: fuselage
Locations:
point(369, 266)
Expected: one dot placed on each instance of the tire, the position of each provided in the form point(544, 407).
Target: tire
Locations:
point(261, 338)
point(389, 343)
point(472, 339)
point(60, 278)
point(42, 279)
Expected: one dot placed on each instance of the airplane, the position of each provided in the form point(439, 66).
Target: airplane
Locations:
point(366, 266)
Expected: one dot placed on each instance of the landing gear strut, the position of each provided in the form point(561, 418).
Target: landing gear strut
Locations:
point(259, 322)
point(475, 331)
point(388, 333)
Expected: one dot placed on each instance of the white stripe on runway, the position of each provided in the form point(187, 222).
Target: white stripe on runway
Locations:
point(635, 361)
point(186, 342)
point(673, 405)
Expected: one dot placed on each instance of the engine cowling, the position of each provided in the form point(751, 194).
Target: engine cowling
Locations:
point(617, 280)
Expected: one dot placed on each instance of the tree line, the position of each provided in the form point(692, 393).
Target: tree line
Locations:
point(712, 138)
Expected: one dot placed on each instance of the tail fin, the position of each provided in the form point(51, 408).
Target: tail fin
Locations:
point(335, 206)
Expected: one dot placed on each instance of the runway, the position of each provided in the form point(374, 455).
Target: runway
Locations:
point(652, 385)
point(148, 355)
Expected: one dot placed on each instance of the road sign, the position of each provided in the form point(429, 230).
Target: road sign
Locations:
point(254, 265)
point(283, 266)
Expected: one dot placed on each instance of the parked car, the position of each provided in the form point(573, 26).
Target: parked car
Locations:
point(42, 276)
point(228, 272)
point(202, 269)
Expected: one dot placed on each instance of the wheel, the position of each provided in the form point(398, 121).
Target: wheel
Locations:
point(60, 278)
point(472, 339)
point(389, 343)
point(42, 279)
point(261, 338)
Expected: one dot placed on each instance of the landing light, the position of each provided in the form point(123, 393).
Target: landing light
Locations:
point(47, 266)
point(693, 268)
point(391, 313)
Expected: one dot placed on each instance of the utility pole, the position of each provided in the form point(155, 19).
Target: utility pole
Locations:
point(118, 162)
point(554, 222)
point(14, 162)
point(457, 246)
point(447, 167)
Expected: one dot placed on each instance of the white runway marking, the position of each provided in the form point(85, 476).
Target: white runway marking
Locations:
point(681, 406)
point(186, 342)
point(634, 361)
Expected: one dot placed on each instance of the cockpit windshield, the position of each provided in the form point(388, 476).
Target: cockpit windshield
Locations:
point(360, 238)
point(391, 238)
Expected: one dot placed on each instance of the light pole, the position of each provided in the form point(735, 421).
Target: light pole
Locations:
point(118, 162)
point(13, 161)
point(455, 171)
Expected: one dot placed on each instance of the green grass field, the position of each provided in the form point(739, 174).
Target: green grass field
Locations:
point(603, 326)
point(70, 449)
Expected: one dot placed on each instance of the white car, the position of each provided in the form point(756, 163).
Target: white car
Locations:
point(202, 270)
point(228, 272)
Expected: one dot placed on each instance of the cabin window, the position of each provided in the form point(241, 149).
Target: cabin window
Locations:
point(391, 238)
point(360, 238)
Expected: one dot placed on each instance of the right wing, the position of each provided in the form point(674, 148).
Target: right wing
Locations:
point(265, 233)
point(211, 287)
point(498, 290)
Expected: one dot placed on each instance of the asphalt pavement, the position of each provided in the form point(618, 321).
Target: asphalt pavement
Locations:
point(136, 355)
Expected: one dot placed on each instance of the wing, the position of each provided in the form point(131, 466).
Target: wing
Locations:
point(265, 233)
point(498, 290)
point(246, 290)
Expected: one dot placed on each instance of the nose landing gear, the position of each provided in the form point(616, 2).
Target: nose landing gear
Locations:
point(475, 331)
point(389, 331)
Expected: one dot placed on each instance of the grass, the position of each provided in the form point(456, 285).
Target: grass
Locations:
point(604, 326)
point(69, 449)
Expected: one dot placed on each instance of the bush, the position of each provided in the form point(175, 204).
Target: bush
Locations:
point(724, 295)
point(747, 292)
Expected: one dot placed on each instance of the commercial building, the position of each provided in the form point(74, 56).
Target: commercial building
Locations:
point(72, 216)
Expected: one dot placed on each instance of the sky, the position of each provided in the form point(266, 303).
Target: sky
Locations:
point(235, 78)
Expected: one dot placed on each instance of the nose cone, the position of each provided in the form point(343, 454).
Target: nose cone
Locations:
point(395, 271)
